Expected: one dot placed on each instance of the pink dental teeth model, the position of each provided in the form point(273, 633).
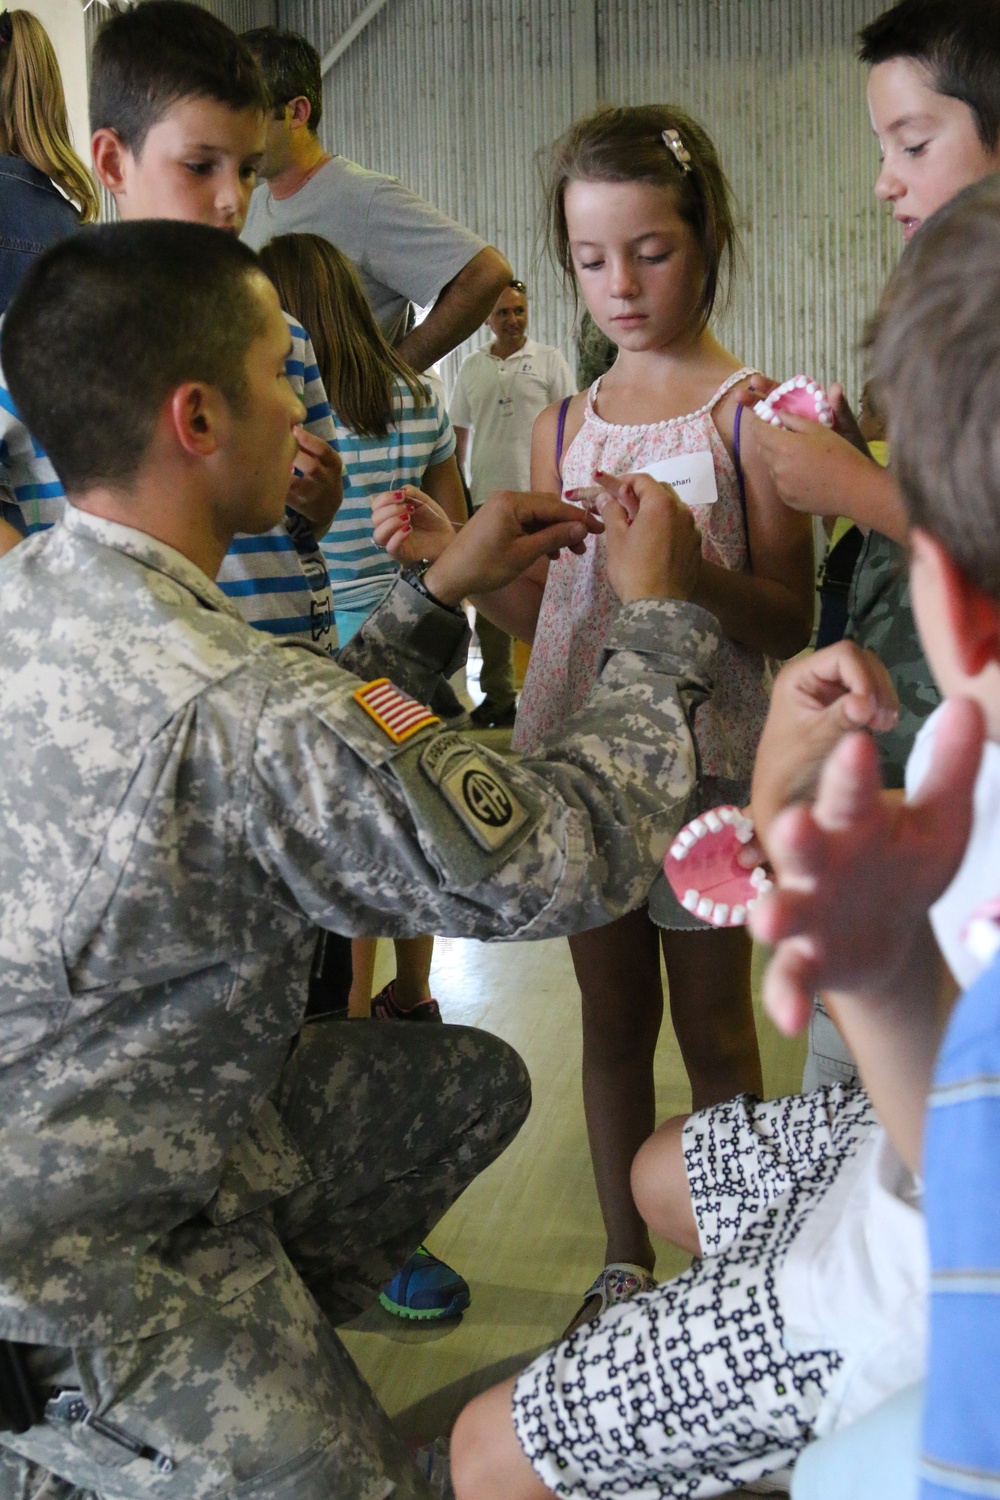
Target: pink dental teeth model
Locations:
point(702, 868)
point(800, 397)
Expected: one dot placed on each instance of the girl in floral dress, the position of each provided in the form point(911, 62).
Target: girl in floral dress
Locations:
point(641, 218)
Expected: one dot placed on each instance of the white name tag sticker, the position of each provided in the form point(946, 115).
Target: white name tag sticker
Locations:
point(692, 475)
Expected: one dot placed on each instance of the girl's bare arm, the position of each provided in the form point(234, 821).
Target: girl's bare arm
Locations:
point(443, 484)
point(771, 608)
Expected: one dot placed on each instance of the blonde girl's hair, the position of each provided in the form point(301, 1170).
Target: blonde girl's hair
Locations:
point(319, 286)
point(33, 122)
point(629, 144)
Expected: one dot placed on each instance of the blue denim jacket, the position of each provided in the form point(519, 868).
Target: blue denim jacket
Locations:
point(33, 215)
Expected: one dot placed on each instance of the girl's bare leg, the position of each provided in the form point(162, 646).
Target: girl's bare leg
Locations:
point(618, 970)
point(660, 1187)
point(712, 1012)
point(363, 951)
point(413, 970)
point(487, 1461)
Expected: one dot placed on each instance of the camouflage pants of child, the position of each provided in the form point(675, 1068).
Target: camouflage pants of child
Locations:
point(259, 1399)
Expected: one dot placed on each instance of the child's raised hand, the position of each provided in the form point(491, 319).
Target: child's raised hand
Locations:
point(317, 486)
point(410, 525)
point(857, 873)
point(816, 700)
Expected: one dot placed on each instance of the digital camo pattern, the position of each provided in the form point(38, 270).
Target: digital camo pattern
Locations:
point(595, 353)
point(257, 1391)
point(880, 617)
point(189, 802)
point(689, 1390)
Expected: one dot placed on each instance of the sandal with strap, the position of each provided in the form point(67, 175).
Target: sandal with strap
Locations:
point(618, 1282)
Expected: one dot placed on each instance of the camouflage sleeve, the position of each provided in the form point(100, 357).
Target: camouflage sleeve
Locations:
point(880, 618)
point(434, 833)
point(409, 640)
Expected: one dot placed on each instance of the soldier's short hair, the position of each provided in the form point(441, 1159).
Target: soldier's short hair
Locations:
point(108, 322)
point(935, 356)
point(291, 67)
point(957, 41)
point(150, 57)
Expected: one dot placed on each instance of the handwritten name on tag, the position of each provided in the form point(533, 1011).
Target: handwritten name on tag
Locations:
point(692, 475)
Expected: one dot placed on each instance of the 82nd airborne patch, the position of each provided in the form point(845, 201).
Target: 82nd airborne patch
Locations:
point(482, 801)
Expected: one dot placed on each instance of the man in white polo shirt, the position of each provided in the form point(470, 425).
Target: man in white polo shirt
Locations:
point(500, 390)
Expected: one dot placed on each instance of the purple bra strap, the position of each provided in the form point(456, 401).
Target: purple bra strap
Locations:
point(561, 432)
point(737, 420)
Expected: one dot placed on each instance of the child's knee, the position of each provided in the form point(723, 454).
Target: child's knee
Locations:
point(660, 1186)
point(487, 1460)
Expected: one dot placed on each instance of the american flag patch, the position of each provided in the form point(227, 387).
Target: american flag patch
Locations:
point(392, 710)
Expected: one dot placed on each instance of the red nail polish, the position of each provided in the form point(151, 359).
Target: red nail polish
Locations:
point(398, 495)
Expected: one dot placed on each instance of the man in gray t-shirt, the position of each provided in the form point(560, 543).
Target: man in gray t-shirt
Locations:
point(405, 250)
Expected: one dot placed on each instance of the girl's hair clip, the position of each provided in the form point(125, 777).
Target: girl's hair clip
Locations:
point(6, 28)
point(677, 148)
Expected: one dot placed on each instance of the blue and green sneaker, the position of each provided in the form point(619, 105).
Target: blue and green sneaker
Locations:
point(426, 1288)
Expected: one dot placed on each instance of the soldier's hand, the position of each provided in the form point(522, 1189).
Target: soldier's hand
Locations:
point(816, 700)
point(656, 555)
point(505, 536)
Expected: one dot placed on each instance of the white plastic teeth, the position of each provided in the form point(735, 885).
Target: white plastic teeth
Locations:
point(712, 821)
point(769, 411)
point(760, 882)
point(716, 912)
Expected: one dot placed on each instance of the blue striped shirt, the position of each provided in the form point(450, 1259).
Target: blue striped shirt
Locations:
point(361, 572)
point(278, 580)
point(962, 1204)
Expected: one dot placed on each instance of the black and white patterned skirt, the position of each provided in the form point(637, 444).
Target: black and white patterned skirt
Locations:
point(688, 1390)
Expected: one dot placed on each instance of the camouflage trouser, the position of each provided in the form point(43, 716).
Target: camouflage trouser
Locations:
point(259, 1398)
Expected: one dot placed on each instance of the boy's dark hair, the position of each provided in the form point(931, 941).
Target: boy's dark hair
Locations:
point(626, 144)
point(108, 322)
point(958, 41)
point(935, 356)
point(291, 68)
point(148, 58)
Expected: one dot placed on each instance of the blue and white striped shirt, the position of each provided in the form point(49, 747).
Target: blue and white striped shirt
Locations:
point(278, 581)
point(361, 572)
point(962, 1204)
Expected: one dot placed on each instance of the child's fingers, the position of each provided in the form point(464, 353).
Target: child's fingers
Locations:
point(789, 986)
point(309, 443)
point(759, 389)
point(850, 785)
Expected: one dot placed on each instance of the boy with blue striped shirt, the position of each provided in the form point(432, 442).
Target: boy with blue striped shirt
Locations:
point(178, 110)
point(860, 870)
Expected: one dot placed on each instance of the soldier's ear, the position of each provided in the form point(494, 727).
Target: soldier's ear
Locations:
point(195, 413)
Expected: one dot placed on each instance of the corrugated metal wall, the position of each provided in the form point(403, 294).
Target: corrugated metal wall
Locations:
point(456, 97)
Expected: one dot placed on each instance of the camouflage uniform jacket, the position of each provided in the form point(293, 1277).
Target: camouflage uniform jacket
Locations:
point(183, 802)
point(880, 617)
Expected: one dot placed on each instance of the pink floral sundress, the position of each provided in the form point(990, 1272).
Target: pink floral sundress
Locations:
point(579, 606)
